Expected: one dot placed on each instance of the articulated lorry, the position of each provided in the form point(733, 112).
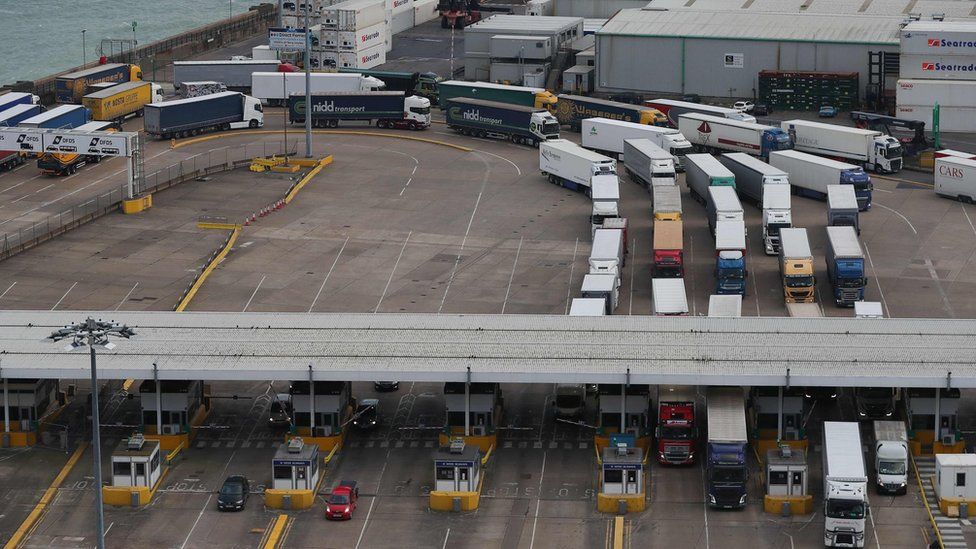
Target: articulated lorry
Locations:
point(607, 253)
point(669, 296)
point(571, 110)
point(725, 306)
point(602, 286)
point(69, 161)
point(605, 193)
point(954, 178)
point(870, 149)
point(806, 310)
point(517, 123)
point(537, 98)
point(752, 175)
point(274, 88)
point(63, 117)
point(727, 471)
point(648, 164)
point(704, 171)
point(673, 108)
point(842, 207)
point(777, 214)
point(607, 136)
point(845, 266)
point(386, 109)
point(716, 134)
point(71, 87)
point(676, 432)
point(236, 75)
point(10, 99)
point(722, 205)
point(667, 202)
point(668, 249)
point(810, 175)
point(121, 101)
point(568, 165)
point(196, 115)
point(17, 114)
point(587, 306)
point(424, 84)
point(730, 257)
point(891, 457)
point(796, 266)
point(845, 485)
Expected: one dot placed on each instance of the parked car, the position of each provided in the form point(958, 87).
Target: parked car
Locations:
point(367, 413)
point(743, 106)
point(342, 501)
point(827, 111)
point(761, 109)
point(386, 385)
point(281, 410)
point(233, 494)
point(691, 98)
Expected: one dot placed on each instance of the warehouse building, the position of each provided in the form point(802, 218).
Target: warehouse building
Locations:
point(721, 53)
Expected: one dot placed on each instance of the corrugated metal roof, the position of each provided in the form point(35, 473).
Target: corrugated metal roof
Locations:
point(900, 8)
point(508, 23)
point(749, 25)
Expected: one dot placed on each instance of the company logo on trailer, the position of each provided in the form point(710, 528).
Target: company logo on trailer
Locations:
point(474, 115)
point(370, 36)
point(948, 67)
point(949, 171)
point(704, 131)
point(934, 42)
point(943, 43)
point(373, 57)
point(398, 3)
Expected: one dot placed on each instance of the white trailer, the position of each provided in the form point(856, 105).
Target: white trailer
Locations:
point(718, 134)
point(777, 215)
point(730, 236)
point(274, 88)
point(729, 306)
point(604, 287)
point(607, 136)
point(752, 175)
point(956, 178)
point(649, 164)
point(845, 485)
point(667, 202)
point(810, 175)
point(605, 193)
point(607, 253)
point(868, 148)
point(723, 205)
point(669, 296)
point(582, 306)
point(803, 310)
point(236, 75)
point(672, 108)
point(567, 164)
point(891, 457)
point(842, 207)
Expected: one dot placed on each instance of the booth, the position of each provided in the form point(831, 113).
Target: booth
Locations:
point(457, 477)
point(320, 419)
point(23, 402)
point(787, 482)
point(295, 466)
point(136, 471)
point(172, 408)
point(955, 484)
point(473, 412)
point(921, 407)
point(776, 416)
point(621, 479)
point(628, 405)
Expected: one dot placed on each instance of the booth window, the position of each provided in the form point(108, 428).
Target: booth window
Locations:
point(121, 468)
point(960, 479)
point(155, 462)
point(777, 478)
point(613, 475)
point(141, 469)
point(282, 472)
point(445, 473)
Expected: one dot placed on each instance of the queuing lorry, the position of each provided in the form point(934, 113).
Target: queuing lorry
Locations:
point(891, 457)
point(727, 471)
point(606, 136)
point(607, 253)
point(517, 123)
point(18, 113)
point(582, 306)
point(676, 432)
point(669, 296)
point(71, 87)
point(842, 207)
point(567, 164)
point(870, 149)
point(10, 99)
point(724, 306)
point(386, 109)
point(752, 175)
point(806, 310)
point(64, 117)
point(716, 134)
point(121, 101)
point(274, 88)
point(668, 248)
point(796, 266)
point(602, 286)
point(424, 84)
point(570, 401)
point(605, 192)
point(730, 258)
point(703, 171)
point(68, 162)
point(205, 87)
point(673, 108)
point(571, 110)
point(236, 75)
point(810, 175)
point(777, 214)
point(196, 115)
point(722, 205)
point(648, 164)
point(845, 485)
point(875, 402)
point(845, 266)
point(526, 96)
point(667, 202)
point(954, 178)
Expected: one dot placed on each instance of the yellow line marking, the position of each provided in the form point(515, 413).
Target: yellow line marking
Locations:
point(222, 226)
point(308, 177)
point(32, 519)
point(196, 140)
point(618, 533)
point(921, 489)
point(274, 538)
point(207, 270)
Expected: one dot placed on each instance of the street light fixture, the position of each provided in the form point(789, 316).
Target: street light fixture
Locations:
point(94, 333)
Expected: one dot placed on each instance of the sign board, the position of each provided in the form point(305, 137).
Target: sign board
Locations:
point(20, 139)
point(36, 140)
point(286, 39)
point(734, 60)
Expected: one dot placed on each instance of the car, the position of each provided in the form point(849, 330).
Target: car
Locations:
point(820, 394)
point(761, 109)
point(281, 411)
point(367, 413)
point(827, 111)
point(342, 501)
point(288, 6)
point(386, 385)
point(743, 106)
point(233, 493)
point(691, 98)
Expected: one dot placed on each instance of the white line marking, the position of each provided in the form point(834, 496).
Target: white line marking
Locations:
point(874, 528)
point(21, 183)
point(447, 535)
point(60, 198)
point(464, 240)
point(8, 289)
point(30, 194)
point(705, 503)
point(64, 296)
point(572, 267)
point(896, 212)
point(336, 260)
point(124, 299)
point(379, 482)
point(691, 256)
point(393, 272)
point(248, 304)
point(199, 516)
point(633, 266)
point(407, 185)
point(967, 218)
point(519, 171)
point(755, 285)
point(538, 501)
point(512, 276)
point(876, 280)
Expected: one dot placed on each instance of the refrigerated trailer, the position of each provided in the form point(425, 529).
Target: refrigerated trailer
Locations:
point(810, 175)
point(236, 75)
point(648, 164)
point(845, 485)
point(274, 88)
point(567, 164)
point(717, 134)
point(871, 149)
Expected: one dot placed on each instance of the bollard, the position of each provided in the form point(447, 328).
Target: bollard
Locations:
point(785, 510)
point(5, 440)
point(964, 510)
point(63, 435)
point(457, 505)
point(621, 507)
point(286, 502)
point(134, 498)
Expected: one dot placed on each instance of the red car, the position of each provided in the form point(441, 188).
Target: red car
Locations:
point(343, 500)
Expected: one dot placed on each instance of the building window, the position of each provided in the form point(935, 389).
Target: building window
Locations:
point(121, 468)
point(445, 473)
point(777, 477)
point(282, 472)
point(614, 476)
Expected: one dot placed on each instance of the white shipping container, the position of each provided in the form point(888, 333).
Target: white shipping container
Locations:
point(365, 59)
point(354, 14)
point(951, 119)
point(263, 53)
point(362, 39)
point(939, 37)
point(401, 21)
point(955, 178)
point(947, 93)
point(398, 6)
point(938, 67)
point(424, 10)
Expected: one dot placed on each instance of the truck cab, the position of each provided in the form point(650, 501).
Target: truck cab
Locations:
point(777, 215)
point(887, 154)
point(544, 126)
point(727, 475)
point(546, 100)
point(796, 266)
point(676, 431)
point(605, 192)
point(730, 268)
point(427, 85)
point(874, 402)
point(69, 163)
point(416, 112)
point(862, 186)
point(570, 401)
point(774, 139)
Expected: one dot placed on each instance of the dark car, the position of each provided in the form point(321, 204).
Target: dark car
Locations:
point(761, 109)
point(281, 411)
point(233, 494)
point(386, 385)
point(366, 413)
point(691, 98)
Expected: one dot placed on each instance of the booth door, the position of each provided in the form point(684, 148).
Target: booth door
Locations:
point(797, 487)
point(632, 486)
point(139, 476)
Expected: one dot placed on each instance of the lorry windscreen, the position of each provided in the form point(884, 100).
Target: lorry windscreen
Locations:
point(728, 474)
point(551, 129)
point(893, 152)
point(420, 110)
point(569, 401)
point(676, 433)
point(799, 281)
point(773, 228)
point(891, 468)
point(845, 509)
point(732, 273)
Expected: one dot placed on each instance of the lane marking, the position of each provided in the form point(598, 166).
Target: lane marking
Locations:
point(21, 183)
point(199, 516)
point(964, 213)
point(538, 501)
point(124, 299)
point(877, 280)
point(406, 185)
point(28, 195)
point(572, 267)
point(393, 272)
point(275, 536)
point(336, 260)
point(60, 198)
point(447, 535)
point(64, 296)
point(701, 468)
point(896, 212)
point(512, 276)
point(254, 293)
point(517, 169)
point(379, 483)
point(322, 132)
point(691, 255)
point(464, 240)
point(633, 267)
point(8, 289)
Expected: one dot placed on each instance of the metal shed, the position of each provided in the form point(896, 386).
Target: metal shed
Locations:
point(477, 37)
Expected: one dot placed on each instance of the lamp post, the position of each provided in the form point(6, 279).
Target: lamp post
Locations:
point(308, 85)
point(94, 333)
point(84, 52)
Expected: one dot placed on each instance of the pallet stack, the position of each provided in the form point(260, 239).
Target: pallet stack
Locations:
point(808, 91)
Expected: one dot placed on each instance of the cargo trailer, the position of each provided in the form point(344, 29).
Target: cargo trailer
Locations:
point(236, 75)
point(196, 115)
point(648, 164)
point(517, 123)
point(669, 296)
point(956, 178)
point(71, 87)
point(810, 175)
point(704, 171)
point(121, 101)
point(387, 109)
point(717, 135)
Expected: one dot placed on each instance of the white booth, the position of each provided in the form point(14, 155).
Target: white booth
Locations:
point(484, 401)
point(329, 408)
point(955, 476)
point(296, 466)
point(630, 404)
point(786, 472)
point(136, 462)
point(622, 470)
point(457, 468)
point(179, 400)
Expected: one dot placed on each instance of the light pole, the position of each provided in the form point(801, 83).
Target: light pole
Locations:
point(94, 333)
point(84, 52)
point(308, 85)
point(230, 8)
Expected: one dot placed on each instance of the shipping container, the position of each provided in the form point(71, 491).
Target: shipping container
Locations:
point(939, 37)
point(361, 39)
point(365, 59)
point(122, 100)
point(69, 88)
point(947, 93)
point(400, 22)
point(937, 67)
point(354, 14)
point(951, 119)
point(236, 75)
point(808, 91)
point(425, 10)
point(17, 114)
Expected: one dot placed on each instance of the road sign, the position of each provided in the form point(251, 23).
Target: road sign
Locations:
point(286, 39)
point(66, 141)
point(20, 139)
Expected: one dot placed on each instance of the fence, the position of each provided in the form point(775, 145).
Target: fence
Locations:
point(193, 167)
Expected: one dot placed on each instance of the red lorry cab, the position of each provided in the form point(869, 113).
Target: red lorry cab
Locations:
point(676, 431)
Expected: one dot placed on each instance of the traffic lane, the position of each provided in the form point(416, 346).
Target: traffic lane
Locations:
point(25, 473)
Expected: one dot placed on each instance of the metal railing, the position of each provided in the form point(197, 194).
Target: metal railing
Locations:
point(193, 167)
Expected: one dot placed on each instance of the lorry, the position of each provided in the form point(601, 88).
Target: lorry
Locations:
point(954, 178)
point(845, 265)
point(18, 113)
point(121, 101)
point(676, 432)
point(583, 306)
point(236, 75)
point(845, 485)
point(274, 88)
point(570, 400)
point(10, 99)
point(752, 175)
point(525, 96)
point(571, 110)
point(806, 310)
point(424, 84)
point(875, 402)
point(703, 171)
point(205, 87)
point(810, 175)
point(60, 117)
point(387, 109)
point(668, 249)
point(219, 111)
point(891, 457)
point(722, 205)
point(724, 306)
point(727, 471)
point(673, 108)
point(607, 136)
point(648, 164)
point(667, 202)
point(870, 149)
point(730, 257)
point(796, 266)
point(71, 87)
point(776, 215)
point(718, 134)
point(605, 192)
point(669, 295)
point(67, 163)
point(567, 164)
point(518, 123)
point(607, 253)
point(602, 286)
point(842, 207)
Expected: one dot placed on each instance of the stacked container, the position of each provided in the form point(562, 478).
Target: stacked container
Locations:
point(938, 65)
point(807, 91)
point(354, 34)
point(400, 15)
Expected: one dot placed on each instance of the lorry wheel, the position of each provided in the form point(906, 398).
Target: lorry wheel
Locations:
point(140, 113)
point(252, 124)
point(443, 22)
point(334, 123)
